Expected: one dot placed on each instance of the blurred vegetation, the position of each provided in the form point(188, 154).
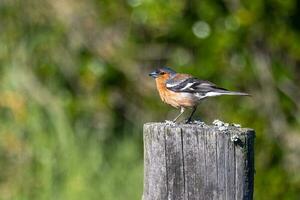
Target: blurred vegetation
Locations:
point(74, 91)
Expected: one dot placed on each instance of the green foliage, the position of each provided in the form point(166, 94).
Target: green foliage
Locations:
point(74, 90)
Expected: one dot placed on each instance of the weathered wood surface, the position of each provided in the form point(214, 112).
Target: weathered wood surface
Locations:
point(187, 162)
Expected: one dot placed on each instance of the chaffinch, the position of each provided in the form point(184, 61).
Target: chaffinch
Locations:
point(185, 91)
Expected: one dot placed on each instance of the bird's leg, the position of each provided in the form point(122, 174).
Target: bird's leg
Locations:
point(182, 109)
point(190, 117)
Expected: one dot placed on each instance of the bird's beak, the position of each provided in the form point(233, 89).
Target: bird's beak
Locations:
point(154, 74)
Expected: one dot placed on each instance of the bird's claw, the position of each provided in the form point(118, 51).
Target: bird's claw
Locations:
point(188, 121)
point(199, 122)
point(169, 122)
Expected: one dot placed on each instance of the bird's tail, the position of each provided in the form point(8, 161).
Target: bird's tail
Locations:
point(225, 92)
point(235, 93)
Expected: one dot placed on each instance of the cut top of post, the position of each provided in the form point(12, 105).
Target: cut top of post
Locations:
point(219, 127)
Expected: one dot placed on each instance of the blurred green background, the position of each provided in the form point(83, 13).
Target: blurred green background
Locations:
point(74, 90)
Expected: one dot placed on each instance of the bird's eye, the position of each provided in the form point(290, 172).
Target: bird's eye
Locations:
point(162, 73)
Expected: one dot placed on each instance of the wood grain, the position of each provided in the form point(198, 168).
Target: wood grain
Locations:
point(187, 162)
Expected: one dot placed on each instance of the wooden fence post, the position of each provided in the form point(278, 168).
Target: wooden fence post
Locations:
point(202, 162)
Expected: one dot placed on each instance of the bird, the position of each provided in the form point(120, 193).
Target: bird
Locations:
point(185, 91)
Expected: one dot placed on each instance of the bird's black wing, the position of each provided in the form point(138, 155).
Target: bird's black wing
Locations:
point(193, 85)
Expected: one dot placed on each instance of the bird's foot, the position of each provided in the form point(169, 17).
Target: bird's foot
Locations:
point(199, 122)
point(188, 121)
point(169, 122)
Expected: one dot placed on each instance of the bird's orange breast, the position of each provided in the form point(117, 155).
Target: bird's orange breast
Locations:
point(175, 99)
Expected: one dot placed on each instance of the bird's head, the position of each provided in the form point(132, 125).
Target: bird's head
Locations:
point(163, 72)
